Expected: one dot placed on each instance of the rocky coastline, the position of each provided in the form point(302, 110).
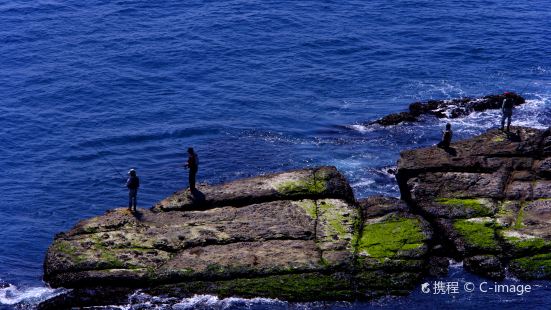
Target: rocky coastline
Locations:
point(301, 235)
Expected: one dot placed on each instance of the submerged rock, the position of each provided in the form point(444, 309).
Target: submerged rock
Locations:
point(453, 108)
point(490, 197)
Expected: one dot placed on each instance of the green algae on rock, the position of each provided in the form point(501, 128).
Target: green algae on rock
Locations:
point(488, 199)
point(388, 237)
point(391, 247)
point(468, 207)
point(478, 234)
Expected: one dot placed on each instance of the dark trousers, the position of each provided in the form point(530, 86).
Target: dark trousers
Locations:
point(506, 116)
point(132, 198)
point(192, 173)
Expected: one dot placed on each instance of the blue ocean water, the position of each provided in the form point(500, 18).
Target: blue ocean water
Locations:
point(89, 89)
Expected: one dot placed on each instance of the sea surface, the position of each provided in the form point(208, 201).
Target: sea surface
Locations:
point(89, 89)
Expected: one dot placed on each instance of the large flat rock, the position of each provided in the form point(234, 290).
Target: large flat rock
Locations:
point(297, 235)
point(324, 182)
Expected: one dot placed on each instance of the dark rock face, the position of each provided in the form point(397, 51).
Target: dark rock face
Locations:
point(297, 235)
point(490, 199)
point(448, 108)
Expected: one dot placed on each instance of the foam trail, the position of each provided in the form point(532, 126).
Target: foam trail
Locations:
point(12, 295)
point(144, 301)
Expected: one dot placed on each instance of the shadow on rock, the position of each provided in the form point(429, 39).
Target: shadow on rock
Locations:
point(197, 197)
point(450, 150)
point(137, 214)
point(512, 136)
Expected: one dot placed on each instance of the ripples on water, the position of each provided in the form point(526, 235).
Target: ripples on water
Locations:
point(90, 89)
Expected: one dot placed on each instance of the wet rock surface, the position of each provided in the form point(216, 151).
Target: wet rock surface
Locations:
point(490, 198)
point(453, 108)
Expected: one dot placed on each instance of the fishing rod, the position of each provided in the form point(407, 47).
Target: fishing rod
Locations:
point(98, 152)
point(499, 58)
point(525, 86)
point(108, 161)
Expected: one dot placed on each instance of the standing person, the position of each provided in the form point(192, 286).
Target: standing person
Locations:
point(507, 110)
point(446, 137)
point(133, 183)
point(193, 166)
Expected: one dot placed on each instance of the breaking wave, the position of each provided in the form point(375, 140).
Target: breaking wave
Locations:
point(25, 297)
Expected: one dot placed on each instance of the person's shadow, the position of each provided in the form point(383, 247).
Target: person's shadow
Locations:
point(512, 136)
point(137, 214)
point(197, 197)
point(450, 150)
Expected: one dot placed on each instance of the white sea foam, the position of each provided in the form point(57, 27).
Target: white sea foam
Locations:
point(144, 301)
point(455, 264)
point(12, 295)
point(363, 182)
point(362, 128)
point(534, 113)
point(529, 115)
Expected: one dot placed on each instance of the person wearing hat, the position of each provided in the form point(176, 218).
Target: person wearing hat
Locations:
point(133, 183)
point(193, 166)
point(507, 110)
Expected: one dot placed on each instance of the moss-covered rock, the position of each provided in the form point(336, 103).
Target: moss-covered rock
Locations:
point(532, 267)
point(466, 207)
point(335, 231)
point(391, 246)
point(391, 237)
point(487, 197)
point(307, 186)
point(479, 234)
point(524, 244)
point(292, 287)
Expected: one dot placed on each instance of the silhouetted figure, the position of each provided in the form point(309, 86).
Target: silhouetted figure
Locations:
point(133, 183)
point(507, 111)
point(446, 137)
point(193, 166)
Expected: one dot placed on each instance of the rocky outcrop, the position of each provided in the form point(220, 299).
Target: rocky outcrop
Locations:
point(490, 199)
point(453, 108)
point(297, 235)
point(301, 235)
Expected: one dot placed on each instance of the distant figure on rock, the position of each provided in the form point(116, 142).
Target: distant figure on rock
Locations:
point(133, 183)
point(446, 137)
point(193, 166)
point(507, 110)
